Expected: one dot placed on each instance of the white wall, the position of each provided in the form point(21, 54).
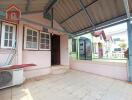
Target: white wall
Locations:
point(41, 58)
point(6, 55)
point(109, 69)
point(64, 56)
point(38, 17)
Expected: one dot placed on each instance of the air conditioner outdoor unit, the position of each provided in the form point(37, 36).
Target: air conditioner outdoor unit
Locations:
point(11, 77)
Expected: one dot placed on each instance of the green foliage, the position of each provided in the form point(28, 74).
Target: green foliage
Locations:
point(123, 45)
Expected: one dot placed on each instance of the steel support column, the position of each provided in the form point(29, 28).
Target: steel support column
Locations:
point(129, 33)
point(53, 2)
point(52, 19)
point(28, 5)
point(129, 29)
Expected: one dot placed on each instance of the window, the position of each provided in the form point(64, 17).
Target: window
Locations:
point(44, 41)
point(117, 49)
point(116, 39)
point(31, 39)
point(8, 35)
point(73, 45)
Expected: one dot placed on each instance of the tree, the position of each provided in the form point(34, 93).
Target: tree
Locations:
point(123, 45)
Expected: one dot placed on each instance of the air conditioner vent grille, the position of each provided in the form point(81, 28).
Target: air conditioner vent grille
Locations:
point(5, 78)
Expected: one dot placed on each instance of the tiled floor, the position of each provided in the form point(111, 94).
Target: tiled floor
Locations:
point(73, 85)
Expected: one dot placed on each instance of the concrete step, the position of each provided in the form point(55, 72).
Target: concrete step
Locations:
point(59, 69)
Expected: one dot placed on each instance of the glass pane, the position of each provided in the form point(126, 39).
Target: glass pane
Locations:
point(47, 41)
point(10, 36)
point(42, 40)
point(10, 43)
point(34, 45)
point(47, 46)
point(34, 39)
point(6, 35)
point(42, 46)
point(29, 32)
point(34, 33)
point(28, 44)
point(47, 36)
point(42, 35)
point(29, 38)
point(11, 29)
point(73, 45)
point(6, 27)
point(6, 43)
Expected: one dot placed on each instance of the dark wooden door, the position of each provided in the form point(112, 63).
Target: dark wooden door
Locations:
point(55, 50)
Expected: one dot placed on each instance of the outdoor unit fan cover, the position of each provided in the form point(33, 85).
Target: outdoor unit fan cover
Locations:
point(5, 78)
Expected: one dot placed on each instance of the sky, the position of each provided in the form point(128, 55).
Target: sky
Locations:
point(116, 28)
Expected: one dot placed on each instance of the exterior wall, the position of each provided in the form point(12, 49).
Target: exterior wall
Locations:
point(41, 58)
point(109, 69)
point(38, 17)
point(64, 56)
point(6, 54)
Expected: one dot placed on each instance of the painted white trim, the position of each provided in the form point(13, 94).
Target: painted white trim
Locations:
point(3, 35)
point(25, 38)
point(49, 41)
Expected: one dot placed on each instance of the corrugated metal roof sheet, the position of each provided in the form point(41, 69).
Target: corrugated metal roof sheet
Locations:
point(99, 11)
point(70, 15)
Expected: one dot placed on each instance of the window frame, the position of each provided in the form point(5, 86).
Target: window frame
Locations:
point(25, 38)
point(3, 35)
point(40, 41)
point(74, 45)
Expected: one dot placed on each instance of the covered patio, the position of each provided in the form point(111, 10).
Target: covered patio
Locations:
point(74, 85)
point(35, 62)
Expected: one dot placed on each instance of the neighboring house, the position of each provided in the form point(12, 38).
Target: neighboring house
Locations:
point(104, 45)
point(114, 45)
point(120, 43)
point(81, 47)
point(29, 42)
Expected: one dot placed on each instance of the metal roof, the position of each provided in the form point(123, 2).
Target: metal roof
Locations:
point(77, 16)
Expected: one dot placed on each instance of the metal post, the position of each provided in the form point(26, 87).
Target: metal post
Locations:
point(129, 29)
point(52, 19)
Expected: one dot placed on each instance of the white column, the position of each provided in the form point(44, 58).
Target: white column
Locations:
point(19, 42)
point(64, 54)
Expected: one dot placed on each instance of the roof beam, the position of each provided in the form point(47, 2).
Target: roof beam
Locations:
point(28, 5)
point(126, 5)
point(50, 6)
point(102, 25)
point(90, 19)
point(32, 12)
point(78, 12)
